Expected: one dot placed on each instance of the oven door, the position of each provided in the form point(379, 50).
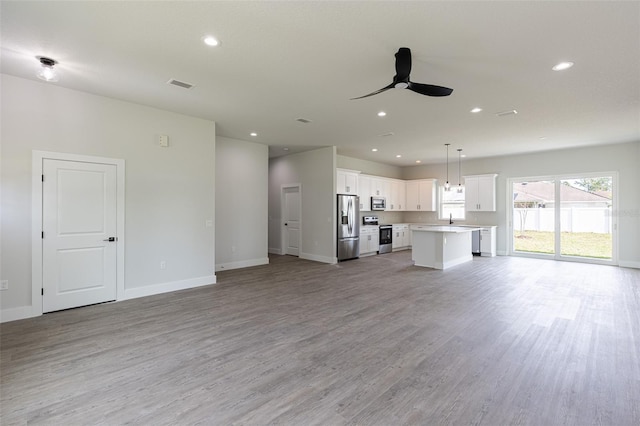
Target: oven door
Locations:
point(386, 235)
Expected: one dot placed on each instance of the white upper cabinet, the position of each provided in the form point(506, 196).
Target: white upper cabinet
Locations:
point(421, 195)
point(480, 193)
point(380, 187)
point(346, 181)
point(364, 190)
point(397, 195)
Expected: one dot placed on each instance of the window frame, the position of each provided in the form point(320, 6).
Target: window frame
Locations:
point(441, 203)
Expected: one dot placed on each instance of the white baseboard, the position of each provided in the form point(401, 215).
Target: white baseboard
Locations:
point(150, 290)
point(242, 264)
point(502, 253)
point(14, 314)
point(22, 312)
point(275, 251)
point(629, 264)
point(315, 257)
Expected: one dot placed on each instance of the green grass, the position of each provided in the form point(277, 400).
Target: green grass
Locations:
point(583, 244)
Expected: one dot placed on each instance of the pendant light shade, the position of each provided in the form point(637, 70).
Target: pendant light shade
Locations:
point(460, 190)
point(45, 69)
point(447, 187)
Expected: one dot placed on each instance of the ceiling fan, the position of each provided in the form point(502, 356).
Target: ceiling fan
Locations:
point(401, 79)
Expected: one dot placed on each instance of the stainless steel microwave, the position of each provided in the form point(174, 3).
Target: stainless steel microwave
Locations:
point(378, 203)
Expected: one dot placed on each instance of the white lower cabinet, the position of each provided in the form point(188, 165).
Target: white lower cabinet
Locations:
point(401, 238)
point(488, 241)
point(369, 240)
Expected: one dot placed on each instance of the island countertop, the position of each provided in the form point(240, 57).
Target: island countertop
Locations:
point(444, 228)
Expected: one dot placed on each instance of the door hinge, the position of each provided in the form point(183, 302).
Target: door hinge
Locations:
point(43, 235)
point(42, 291)
point(43, 178)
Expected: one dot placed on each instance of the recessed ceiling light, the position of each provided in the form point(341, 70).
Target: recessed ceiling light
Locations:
point(210, 41)
point(476, 110)
point(562, 66)
point(418, 161)
point(463, 155)
point(285, 149)
point(542, 138)
point(374, 149)
point(254, 134)
point(398, 156)
point(382, 114)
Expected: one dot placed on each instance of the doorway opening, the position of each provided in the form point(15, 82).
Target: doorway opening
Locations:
point(291, 226)
point(77, 231)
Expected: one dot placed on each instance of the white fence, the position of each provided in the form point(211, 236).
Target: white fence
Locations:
point(572, 219)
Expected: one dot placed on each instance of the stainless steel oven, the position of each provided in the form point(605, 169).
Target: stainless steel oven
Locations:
point(386, 238)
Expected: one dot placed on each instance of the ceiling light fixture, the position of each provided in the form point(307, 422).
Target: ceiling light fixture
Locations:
point(46, 71)
point(562, 66)
point(374, 149)
point(254, 134)
point(382, 114)
point(398, 156)
point(447, 187)
point(210, 41)
point(476, 110)
point(418, 161)
point(459, 184)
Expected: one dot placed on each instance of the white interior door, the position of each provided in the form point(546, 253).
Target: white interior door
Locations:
point(79, 251)
point(291, 217)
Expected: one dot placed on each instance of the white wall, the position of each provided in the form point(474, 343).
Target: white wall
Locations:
point(369, 167)
point(623, 158)
point(315, 171)
point(169, 191)
point(242, 174)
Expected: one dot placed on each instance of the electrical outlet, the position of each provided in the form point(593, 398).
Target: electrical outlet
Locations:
point(4, 285)
point(163, 264)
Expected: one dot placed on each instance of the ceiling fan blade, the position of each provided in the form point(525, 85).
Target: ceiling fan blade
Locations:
point(376, 92)
point(429, 89)
point(403, 65)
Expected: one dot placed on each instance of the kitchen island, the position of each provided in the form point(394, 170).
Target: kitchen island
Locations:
point(441, 246)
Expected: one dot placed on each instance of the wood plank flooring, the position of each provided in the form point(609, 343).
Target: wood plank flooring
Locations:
point(373, 341)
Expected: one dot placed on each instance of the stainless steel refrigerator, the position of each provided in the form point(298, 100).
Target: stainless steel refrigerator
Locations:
point(348, 227)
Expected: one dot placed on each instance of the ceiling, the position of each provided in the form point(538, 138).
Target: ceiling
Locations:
point(280, 61)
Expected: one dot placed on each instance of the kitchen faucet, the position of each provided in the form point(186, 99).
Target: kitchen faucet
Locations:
point(450, 218)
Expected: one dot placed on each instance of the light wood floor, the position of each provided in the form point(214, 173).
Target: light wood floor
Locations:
point(374, 341)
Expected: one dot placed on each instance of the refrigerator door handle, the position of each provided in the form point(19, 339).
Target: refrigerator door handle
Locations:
point(349, 216)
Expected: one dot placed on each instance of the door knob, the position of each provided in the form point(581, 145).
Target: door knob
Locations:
point(110, 239)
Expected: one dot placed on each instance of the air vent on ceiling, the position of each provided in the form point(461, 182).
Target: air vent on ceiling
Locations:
point(509, 112)
point(303, 120)
point(179, 83)
point(384, 135)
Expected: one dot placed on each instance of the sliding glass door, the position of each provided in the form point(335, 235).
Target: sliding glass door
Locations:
point(585, 217)
point(533, 216)
point(560, 217)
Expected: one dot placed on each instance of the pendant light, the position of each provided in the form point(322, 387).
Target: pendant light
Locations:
point(45, 70)
point(459, 184)
point(447, 187)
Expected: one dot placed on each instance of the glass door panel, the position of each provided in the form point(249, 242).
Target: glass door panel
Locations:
point(533, 217)
point(586, 229)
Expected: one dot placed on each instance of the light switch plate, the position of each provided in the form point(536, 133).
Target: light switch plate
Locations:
point(164, 141)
